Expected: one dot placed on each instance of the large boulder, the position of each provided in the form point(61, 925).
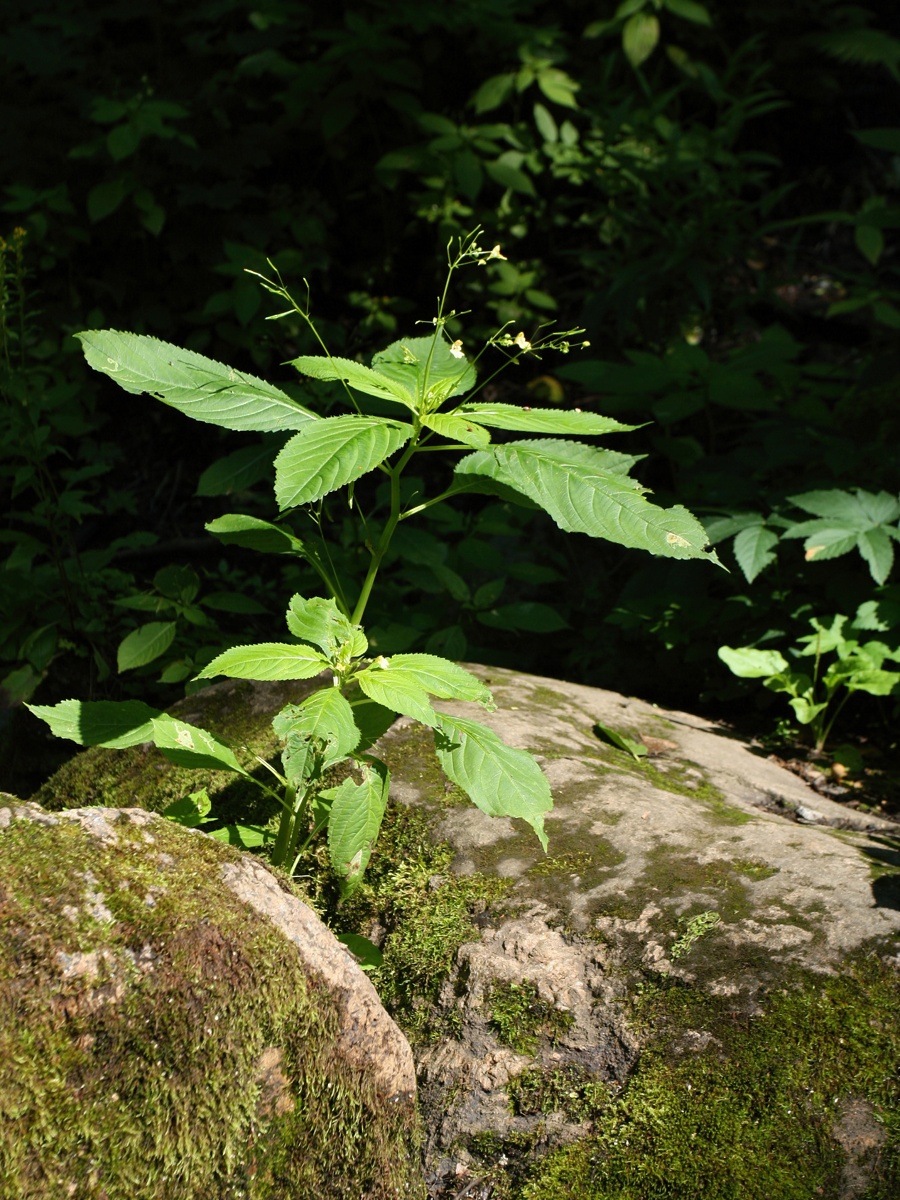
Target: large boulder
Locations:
point(694, 994)
point(175, 1023)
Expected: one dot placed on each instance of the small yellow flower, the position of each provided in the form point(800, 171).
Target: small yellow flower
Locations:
point(495, 253)
point(456, 349)
point(522, 341)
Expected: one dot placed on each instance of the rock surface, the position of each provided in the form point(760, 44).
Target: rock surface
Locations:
point(701, 973)
point(176, 1023)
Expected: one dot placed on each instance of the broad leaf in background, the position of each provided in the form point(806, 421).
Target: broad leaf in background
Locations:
point(862, 520)
point(197, 386)
point(252, 533)
point(110, 723)
point(331, 453)
point(143, 645)
point(501, 781)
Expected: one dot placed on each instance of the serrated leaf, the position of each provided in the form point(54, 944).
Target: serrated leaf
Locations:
point(637, 750)
point(321, 622)
point(189, 746)
point(333, 452)
point(440, 677)
point(325, 715)
point(268, 660)
point(753, 550)
point(542, 420)
point(236, 472)
point(197, 386)
point(372, 720)
point(145, 644)
point(747, 663)
point(110, 723)
point(640, 33)
point(398, 690)
point(236, 529)
point(501, 781)
point(459, 428)
point(356, 814)
point(828, 543)
point(570, 482)
point(424, 368)
point(859, 510)
point(355, 375)
point(878, 551)
point(720, 528)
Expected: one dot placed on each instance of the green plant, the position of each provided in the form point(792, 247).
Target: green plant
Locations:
point(817, 699)
point(582, 488)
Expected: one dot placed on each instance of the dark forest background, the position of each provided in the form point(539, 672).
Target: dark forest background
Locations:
point(711, 191)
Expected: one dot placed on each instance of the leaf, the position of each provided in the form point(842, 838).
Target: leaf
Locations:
point(355, 375)
point(398, 690)
point(197, 386)
point(190, 811)
point(325, 715)
point(332, 452)
point(637, 750)
point(440, 677)
point(373, 720)
point(570, 482)
point(111, 723)
point(365, 952)
point(869, 242)
point(753, 550)
point(143, 645)
point(268, 660)
point(806, 710)
point(321, 622)
point(525, 614)
point(690, 10)
point(878, 551)
point(189, 746)
point(747, 663)
point(640, 34)
point(233, 602)
point(542, 420)
point(493, 92)
point(501, 781)
point(248, 837)
point(236, 472)
point(457, 427)
point(880, 139)
point(510, 177)
point(558, 87)
point(356, 814)
point(104, 199)
point(235, 529)
point(859, 511)
point(546, 125)
point(876, 683)
point(424, 368)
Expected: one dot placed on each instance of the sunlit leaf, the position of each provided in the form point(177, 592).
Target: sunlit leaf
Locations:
point(268, 660)
point(331, 453)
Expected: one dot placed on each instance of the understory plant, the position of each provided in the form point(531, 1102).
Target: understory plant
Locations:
point(417, 397)
point(818, 694)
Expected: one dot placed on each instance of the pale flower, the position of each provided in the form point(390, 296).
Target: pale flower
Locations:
point(495, 253)
point(456, 349)
point(522, 341)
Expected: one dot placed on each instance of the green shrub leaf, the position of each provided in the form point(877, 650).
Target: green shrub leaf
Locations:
point(189, 746)
point(424, 366)
point(501, 781)
point(197, 386)
point(236, 529)
point(440, 677)
point(357, 810)
point(145, 644)
point(110, 723)
point(325, 715)
point(748, 663)
point(355, 375)
point(268, 660)
point(332, 452)
point(753, 550)
point(542, 420)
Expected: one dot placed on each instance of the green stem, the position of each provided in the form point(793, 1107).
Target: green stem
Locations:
point(282, 846)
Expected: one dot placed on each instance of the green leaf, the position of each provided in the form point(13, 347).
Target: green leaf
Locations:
point(122, 141)
point(493, 92)
point(640, 34)
point(190, 811)
point(747, 663)
point(558, 87)
point(247, 837)
point(177, 583)
point(321, 622)
point(332, 452)
point(365, 952)
point(542, 420)
point(143, 645)
point(753, 550)
point(637, 750)
point(197, 386)
point(399, 690)
point(235, 529)
point(457, 427)
point(372, 720)
point(570, 482)
point(525, 614)
point(111, 723)
point(425, 369)
point(501, 781)
point(233, 602)
point(325, 715)
point(355, 375)
point(510, 177)
point(880, 139)
point(690, 10)
point(878, 551)
point(105, 198)
point(236, 472)
point(189, 746)
point(356, 814)
point(440, 677)
point(806, 710)
point(858, 511)
point(268, 660)
point(876, 683)
point(546, 125)
point(870, 242)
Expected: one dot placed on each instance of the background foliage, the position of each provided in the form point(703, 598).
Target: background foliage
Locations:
point(711, 191)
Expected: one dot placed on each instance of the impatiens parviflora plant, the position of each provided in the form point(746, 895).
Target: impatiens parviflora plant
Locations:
point(818, 698)
point(431, 386)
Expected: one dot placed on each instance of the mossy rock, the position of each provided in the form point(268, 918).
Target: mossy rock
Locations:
point(174, 1023)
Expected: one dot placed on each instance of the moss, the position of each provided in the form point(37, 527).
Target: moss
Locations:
point(521, 1018)
point(187, 1053)
point(569, 1090)
point(751, 1115)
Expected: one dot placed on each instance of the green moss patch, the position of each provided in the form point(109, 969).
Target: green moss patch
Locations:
point(521, 1019)
point(160, 1040)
